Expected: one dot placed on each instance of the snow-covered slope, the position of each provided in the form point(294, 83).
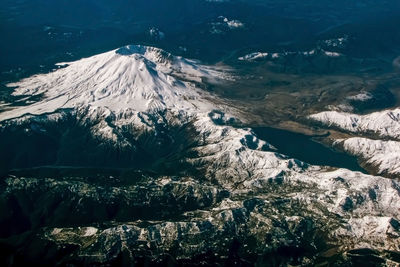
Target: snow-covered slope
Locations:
point(385, 155)
point(135, 78)
point(382, 155)
point(384, 123)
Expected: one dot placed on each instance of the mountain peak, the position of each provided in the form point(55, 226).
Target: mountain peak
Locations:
point(134, 77)
point(153, 54)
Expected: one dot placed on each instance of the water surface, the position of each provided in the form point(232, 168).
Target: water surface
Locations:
point(304, 148)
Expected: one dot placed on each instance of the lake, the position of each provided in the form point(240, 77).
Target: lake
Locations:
point(304, 148)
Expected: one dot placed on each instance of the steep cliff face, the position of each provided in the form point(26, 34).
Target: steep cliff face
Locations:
point(143, 166)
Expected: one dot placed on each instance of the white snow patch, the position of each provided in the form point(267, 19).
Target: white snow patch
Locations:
point(332, 54)
point(90, 231)
point(364, 96)
point(233, 23)
point(253, 56)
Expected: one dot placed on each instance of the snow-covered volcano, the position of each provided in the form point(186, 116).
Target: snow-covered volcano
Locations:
point(134, 77)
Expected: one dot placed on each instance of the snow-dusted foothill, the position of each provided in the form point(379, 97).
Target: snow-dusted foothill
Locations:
point(259, 56)
point(384, 123)
point(253, 56)
point(380, 154)
point(384, 155)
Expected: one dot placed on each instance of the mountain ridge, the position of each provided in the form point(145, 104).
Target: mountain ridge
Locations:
point(229, 185)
